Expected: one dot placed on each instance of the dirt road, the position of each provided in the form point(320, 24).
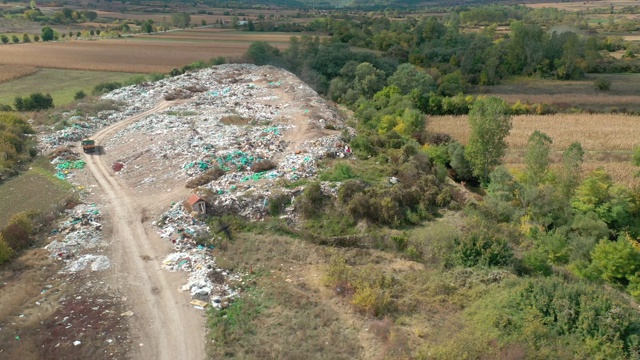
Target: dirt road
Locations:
point(164, 325)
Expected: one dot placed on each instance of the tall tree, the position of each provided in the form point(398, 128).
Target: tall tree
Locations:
point(571, 171)
point(490, 124)
point(537, 157)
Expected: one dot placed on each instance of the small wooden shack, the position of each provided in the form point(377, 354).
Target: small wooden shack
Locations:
point(196, 204)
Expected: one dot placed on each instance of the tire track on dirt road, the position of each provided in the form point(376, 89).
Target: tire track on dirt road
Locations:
point(163, 322)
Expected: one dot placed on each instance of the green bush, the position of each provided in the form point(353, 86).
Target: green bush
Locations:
point(79, 95)
point(481, 248)
point(33, 102)
point(557, 319)
point(105, 87)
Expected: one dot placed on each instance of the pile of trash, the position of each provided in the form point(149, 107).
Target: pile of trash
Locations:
point(78, 232)
point(232, 117)
point(207, 283)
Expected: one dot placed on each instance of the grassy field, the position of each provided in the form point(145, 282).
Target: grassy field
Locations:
point(608, 140)
point(142, 54)
point(61, 84)
point(36, 189)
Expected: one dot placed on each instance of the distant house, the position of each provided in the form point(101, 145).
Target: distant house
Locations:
point(242, 22)
point(196, 203)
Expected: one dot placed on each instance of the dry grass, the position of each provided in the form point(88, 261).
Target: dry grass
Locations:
point(219, 35)
point(596, 132)
point(12, 72)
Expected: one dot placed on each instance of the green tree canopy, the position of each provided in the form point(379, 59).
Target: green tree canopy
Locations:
point(490, 124)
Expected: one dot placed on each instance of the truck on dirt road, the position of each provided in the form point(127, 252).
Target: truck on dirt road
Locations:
point(89, 146)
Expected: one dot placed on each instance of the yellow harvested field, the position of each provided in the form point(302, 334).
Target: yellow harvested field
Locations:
point(596, 132)
point(117, 55)
point(12, 72)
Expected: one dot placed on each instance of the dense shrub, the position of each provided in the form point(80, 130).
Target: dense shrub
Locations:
point(79, 95)
point(481, 248)
point(33, 102)
point(560, 319)
point(105, 87)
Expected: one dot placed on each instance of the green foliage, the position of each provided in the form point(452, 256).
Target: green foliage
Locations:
point(481, 248)
point(616, 262)
point(559, 319)
point(156, 77)
point(408, 78)
point(4, 39)
point(229, 325)
point(602, 84)
point(17, 234)
point(490, 123)
point(79, 95)
point(47, 34)
point(33, 102)
point(134, 80)
point(459, 163)
point(438, 154)
point(571, 171)
point(278, 203)
point(537, 157)
point(5, 251)
point(181, 20)
point(15, 146)
point(262, 53)
point(339, 172)
point(105, 87)
point(612, 203)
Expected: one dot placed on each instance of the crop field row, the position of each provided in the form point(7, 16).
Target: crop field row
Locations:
point(12, 72)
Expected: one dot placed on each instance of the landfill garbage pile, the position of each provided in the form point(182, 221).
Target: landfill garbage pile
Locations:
point(234, 118)
point(77, 233)
point(206, 282)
